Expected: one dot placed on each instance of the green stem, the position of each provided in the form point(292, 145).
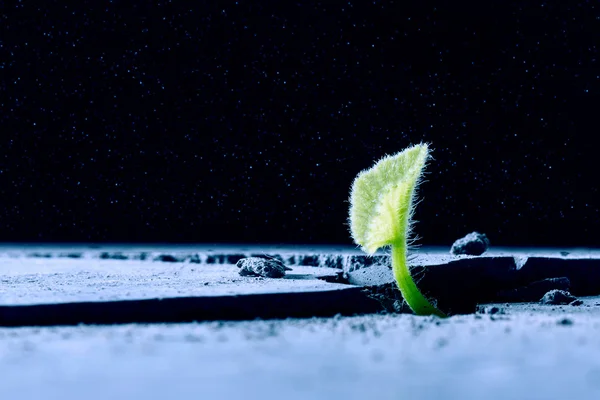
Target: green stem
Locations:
point(411, 293)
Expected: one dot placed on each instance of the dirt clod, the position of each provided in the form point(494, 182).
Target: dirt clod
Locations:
point(167, 258)
point(557, 297)
point(255, 266)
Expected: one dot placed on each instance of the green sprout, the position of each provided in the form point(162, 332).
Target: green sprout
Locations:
point(381, 210)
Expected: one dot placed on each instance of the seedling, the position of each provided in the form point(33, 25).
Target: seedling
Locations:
point(381, 210)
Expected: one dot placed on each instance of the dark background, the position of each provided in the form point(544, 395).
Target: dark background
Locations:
point(247, 121)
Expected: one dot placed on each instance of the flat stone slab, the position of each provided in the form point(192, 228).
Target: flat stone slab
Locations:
point(39, 281)
point(70, 291)
point(459, 283)
point(46, 285)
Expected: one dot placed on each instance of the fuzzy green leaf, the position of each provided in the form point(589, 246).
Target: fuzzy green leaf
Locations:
point(381, 209)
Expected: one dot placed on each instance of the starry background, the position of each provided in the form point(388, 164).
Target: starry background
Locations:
point(247, 121)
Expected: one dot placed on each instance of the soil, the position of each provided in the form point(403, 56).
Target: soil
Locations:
point(504, 351)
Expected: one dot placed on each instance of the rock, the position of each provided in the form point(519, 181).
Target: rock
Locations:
point(557, 297)
point(71, 255)
point(167, 258)
point(490, 310)
point(274, 257)
point(474, 244)
point(113, 256)
point(257, 266)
